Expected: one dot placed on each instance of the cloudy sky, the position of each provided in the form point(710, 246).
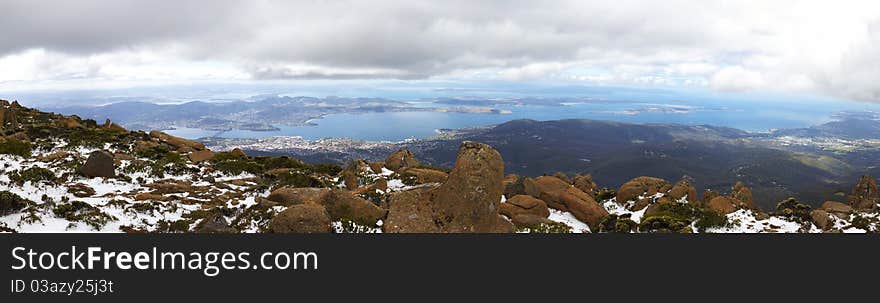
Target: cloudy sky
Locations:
point(818, 47)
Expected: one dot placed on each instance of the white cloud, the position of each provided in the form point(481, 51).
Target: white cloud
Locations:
point(810, 45)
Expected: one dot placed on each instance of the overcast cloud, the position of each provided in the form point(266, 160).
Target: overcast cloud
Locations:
point(825, 47)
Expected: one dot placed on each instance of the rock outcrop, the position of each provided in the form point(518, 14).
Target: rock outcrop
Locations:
point(684, 190)
point(288, 196)
point(865, 195)
point(401, 159)
point(743, 194)
point(547, 189)
point(583, 207)
point(99, 164)
point(722, 205)
point(200, 155)
point(182, 145)
point(586, 184)
point(524, 205)
point(301, 218)
point(342, 205)
point(466, 202)
point(425, 175)
point(642, 190)
point(840, 210)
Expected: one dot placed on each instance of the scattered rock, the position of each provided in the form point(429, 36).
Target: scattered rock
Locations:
point(401, 159)
point(99, 164)
point(301, 218)
point(215, 224)
point(80, 190)
point(53, 156)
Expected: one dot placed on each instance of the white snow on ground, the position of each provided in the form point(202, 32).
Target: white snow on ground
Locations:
point(744, 221)
point(616, 209)
point(106, 190)
point(568, 219)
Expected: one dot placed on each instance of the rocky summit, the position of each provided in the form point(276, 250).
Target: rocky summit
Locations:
point(64, 173)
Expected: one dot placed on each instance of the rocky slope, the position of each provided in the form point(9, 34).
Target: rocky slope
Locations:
point(63, 173)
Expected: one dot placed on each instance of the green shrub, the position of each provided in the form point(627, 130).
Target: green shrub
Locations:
point(11, 203)
point(33, 174)
point(617, 224)
point(93, 137)
point(236, 167)
point(10, 146)
point(79, 211)
point(550, 228)
point(605, 194)
point(327, 168)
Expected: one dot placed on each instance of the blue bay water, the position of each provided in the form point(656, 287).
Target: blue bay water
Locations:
point(753, 116)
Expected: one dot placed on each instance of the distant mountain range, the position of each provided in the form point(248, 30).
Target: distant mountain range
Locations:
point(258, 113)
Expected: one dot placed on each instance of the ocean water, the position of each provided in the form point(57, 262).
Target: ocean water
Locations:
point(755, 116)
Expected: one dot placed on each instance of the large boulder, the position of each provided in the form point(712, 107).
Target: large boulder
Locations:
point(684, 190)
point(865, 195)
point(547, 189)
point(200, 155)
point(237, 152)
point(99, 164)
point(722, 205)
point(352, 172)
point(301, 218)
point(410, 212)
point(583, 207)
point(467, 201)
point(524, 204)
point(822, 219)
point(841, 210)
point(425, 175)
point(644, 187)
point(513, 185)
point(292, 196)
point(586, 184)
point(181, 144)
point(401, 159)
point(743, 194)
point(342, 205)
point(708, 195)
